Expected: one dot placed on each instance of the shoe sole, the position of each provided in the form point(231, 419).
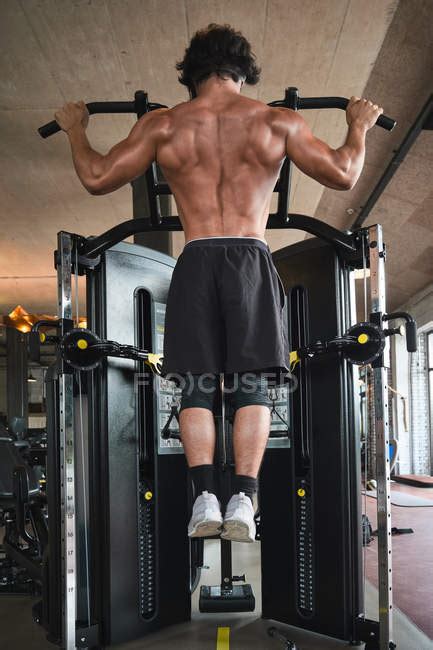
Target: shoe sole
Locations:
point(206, 529)
point(237, 531)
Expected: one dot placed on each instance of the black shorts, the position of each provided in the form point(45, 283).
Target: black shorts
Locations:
point(225, 311)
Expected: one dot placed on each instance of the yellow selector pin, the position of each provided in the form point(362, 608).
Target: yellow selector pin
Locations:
point(82, 344)
point(363, 338)
point(301, 492)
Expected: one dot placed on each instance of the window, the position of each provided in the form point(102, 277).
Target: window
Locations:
point(420, 392)
point(430, 388)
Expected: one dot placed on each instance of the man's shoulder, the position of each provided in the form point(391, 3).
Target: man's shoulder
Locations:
point(275, 117)
point(167, 118)
point(284, 116)
point(154, 123)
point(286, 122)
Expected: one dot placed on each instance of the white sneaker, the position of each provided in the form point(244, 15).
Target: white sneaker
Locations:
point(206, 520)
point(239, 524)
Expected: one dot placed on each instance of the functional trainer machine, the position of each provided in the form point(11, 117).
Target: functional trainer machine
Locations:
point(115, 570)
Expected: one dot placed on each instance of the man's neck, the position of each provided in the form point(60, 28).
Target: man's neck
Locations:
point(217, 87)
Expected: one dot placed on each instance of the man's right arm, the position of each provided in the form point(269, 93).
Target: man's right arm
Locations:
point(336, 168)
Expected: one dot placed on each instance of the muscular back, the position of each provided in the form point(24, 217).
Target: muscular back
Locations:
point(221, 160)
point(221, 154)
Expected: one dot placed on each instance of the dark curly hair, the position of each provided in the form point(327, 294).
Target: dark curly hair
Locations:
point(221, 50)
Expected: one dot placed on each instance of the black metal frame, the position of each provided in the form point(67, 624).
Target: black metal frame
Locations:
point(349, 248)
point(24, 501)
point(156, 188)
point(87, 251)
point(324, 427)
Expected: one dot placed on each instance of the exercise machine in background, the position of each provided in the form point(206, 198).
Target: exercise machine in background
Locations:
point(115, 569)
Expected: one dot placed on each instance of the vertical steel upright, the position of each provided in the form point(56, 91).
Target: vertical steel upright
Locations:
point(67, 451)
point(378, 308)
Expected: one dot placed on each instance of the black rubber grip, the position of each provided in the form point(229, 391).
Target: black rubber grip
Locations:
point(411, 336)
point(93, 107)
point(333, 102)
point(97, 108)
point(411, 328)
point(49, 129)
point(341, 102)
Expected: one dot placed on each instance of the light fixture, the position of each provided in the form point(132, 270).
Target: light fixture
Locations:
point(31, 379)
point(21, 320)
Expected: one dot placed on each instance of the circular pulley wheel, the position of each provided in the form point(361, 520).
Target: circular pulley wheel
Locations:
point(368, 346)
point(77, 349)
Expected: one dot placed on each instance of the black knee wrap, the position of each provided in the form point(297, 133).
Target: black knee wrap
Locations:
point(240, 389)
point(199, 391)
point(247, 389)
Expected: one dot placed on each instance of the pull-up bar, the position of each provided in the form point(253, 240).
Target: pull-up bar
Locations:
point(291, 100)
point(346, 243)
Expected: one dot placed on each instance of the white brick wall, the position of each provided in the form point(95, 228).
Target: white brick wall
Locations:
point(419, 409)
point(410, 377)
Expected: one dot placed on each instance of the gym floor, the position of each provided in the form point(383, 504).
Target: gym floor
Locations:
point(413, 597)
point(412, 557)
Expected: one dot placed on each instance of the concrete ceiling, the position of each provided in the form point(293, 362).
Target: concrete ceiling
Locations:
point(58, 50)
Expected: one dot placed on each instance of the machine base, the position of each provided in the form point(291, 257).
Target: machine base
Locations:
point(239, 598)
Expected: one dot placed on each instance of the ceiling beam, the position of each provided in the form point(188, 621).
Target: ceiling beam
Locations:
point(423, 121)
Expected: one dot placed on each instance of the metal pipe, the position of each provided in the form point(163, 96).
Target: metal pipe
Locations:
point(378, 308)
point(94, 246)
point(67, 456)
point(395, 163)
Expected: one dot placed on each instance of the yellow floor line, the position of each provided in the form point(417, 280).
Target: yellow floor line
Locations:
point(223, 638)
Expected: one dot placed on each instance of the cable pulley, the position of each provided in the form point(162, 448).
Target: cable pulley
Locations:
point(363, 343)
point(368, 342)
point(84, 350)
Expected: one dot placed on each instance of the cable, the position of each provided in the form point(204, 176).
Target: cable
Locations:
point(80, 402)
point(364, 268)
point(366, 434)
point(404, 402)
point(223, 418)
point(273, 396)
point(366, 422)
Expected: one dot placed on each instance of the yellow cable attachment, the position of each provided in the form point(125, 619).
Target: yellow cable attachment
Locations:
point(223, 638)
point(42, 337)
point(301, 492)
point(363, 338)
point(155, 362)
point(148, 495)
point(82, 344)
point(293, 360)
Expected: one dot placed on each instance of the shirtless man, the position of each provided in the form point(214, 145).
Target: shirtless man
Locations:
point(221, 154)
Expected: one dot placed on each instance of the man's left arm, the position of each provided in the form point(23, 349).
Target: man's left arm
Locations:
point(101, 174)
